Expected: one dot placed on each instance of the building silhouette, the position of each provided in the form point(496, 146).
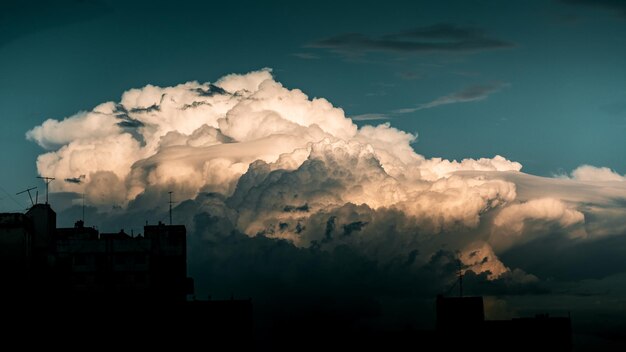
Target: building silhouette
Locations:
point(79, 263)
point(131, 286)
point(80, 280)
point(461, 323)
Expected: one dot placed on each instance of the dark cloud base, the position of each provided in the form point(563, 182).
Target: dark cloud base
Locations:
point(577, 260)
point(344, 295)
point(312, 290)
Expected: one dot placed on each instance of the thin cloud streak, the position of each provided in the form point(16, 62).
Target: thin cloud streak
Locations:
point(306, 56)
point(434, 38)
point(468, 94)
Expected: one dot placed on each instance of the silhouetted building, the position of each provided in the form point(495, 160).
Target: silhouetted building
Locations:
point(548, 333)
point(459, 312)
point(16, 236)
point(461, 322)
point(120, 266)
point(80, 263)
point(27, 254)
point(129, 286)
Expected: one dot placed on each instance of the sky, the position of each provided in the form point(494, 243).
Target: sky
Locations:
point(557, 98)
point(303, 139)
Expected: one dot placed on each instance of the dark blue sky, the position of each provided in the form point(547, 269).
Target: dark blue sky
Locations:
point(539, 82)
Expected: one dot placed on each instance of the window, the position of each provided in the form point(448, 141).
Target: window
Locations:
point(81, 259)
point(140, 258)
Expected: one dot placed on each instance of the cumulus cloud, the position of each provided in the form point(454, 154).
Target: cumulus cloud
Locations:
point(479, 258)
point(534, 217)
point(546, 208)
point(247, 156)
point(592, 173)
point(53, 133)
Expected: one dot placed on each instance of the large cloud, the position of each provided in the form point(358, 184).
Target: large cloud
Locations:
point(260, 159)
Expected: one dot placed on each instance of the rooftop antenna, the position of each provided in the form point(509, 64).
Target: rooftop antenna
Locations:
point(170, 202)
point(83, 207)
point(47, 180)
point(460, 274)
point(29, 195)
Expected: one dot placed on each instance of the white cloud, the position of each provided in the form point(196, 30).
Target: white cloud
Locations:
point(53, 133)
point(534, 218)
point(592, 173)
point(297, 168)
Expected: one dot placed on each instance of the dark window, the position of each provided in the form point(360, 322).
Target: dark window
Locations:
point(140, 258)
point(80, 259)
point(172, 240)
point(80, 279)
point(121, 259)
point(140, 278)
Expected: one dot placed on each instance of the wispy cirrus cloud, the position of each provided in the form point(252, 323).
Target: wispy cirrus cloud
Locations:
point(434, 38)
point(468, 94)
point(305, 56)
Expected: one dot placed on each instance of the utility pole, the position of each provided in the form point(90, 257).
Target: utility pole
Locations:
point(47, 180)
point(170, 202)
point(83, 207)
point(460, 273)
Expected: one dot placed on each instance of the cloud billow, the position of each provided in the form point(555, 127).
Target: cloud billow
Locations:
point(248, 157)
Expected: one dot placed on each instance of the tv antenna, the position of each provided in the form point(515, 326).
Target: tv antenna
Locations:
point(170, 203)
point(29, 195)
point(47, 180)
point(83, 207)
point(460, 274)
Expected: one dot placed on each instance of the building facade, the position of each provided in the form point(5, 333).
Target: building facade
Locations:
point(79, 263)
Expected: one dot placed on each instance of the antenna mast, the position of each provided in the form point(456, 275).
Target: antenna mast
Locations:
point(460, 273)
point(29, 195)
point(170, 202)
point(83, 207)
point(47, 180)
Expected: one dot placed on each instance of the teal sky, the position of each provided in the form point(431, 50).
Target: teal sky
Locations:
point(539, 82)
